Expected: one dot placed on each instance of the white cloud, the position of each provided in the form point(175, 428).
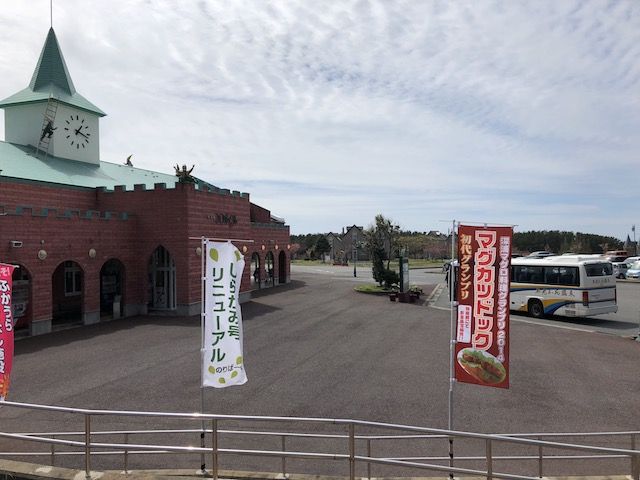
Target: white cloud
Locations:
point(515, 112)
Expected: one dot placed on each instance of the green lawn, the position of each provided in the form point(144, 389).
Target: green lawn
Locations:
point(373, 288)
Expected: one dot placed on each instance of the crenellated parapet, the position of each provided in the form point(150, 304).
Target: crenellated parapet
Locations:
point(62, 213)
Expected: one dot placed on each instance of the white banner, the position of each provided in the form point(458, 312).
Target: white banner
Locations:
point(223, 363)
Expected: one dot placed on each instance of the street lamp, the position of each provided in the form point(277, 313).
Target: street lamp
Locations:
point(354, 256)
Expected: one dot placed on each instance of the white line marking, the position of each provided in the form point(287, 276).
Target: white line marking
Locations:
point(563, 327)
point(446, 309)
point(532, 322)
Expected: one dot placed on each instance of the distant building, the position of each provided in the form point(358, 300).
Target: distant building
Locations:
point(630, 246)
point(347, 246)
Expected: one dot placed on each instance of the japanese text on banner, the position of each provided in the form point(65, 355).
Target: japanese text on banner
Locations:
point(223, 363)
point(6, 328)
point(482, 334)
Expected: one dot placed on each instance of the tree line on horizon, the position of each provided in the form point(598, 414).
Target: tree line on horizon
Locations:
point(424, 245)
point(563, 242)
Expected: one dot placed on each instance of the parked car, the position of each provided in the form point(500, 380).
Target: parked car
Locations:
point(620, 269)
point(540, 254)
point(634, 270)
point(616, 259)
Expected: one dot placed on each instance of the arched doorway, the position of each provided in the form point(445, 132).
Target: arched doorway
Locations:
point(269, 269)
point(111, 288)
point(67, 292)
point(21, 297)
point(282, 268)
point(255, 271)
point(162, 280)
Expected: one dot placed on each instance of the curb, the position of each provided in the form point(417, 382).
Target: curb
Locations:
point(32, 471)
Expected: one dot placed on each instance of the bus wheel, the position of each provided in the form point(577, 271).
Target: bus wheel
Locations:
point(536, 310)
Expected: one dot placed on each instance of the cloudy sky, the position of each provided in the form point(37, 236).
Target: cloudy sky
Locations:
point(507, 112)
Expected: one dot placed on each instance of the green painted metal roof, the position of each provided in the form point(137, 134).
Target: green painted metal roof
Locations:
point(51, 67)
point(51, 77)
point(20, 162)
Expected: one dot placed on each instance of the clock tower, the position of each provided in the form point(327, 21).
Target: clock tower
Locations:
point(49, 115)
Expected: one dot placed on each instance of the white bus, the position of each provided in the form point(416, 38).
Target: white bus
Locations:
point(569, 285)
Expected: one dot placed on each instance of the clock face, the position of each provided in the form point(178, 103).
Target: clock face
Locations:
point(77, 132)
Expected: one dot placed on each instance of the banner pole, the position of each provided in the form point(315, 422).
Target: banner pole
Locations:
point(202, 319)
point(452, 348)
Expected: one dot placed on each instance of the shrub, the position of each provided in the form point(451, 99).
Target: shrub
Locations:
point(377, 267)
point(390, 277)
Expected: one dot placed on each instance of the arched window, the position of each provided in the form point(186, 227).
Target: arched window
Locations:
point(269, 280)
point(21, 297)
point(255, 271)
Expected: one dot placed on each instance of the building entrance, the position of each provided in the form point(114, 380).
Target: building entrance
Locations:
point(162, 276)
point(282, 267)
point(68, 293)
point(111, 276)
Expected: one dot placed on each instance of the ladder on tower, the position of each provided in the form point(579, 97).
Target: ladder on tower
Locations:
point(47, 126)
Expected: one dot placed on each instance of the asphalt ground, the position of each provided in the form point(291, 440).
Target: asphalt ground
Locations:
point(317, 348)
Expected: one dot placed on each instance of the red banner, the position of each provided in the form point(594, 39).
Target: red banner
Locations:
point(6, 328)
point(482, 333)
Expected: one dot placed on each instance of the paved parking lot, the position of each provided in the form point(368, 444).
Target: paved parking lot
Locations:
point(318, 348)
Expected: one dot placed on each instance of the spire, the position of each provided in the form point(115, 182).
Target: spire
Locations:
point(51, 78)
point(51, 68)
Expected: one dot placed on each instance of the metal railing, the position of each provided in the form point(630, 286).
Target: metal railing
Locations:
point(89, 449)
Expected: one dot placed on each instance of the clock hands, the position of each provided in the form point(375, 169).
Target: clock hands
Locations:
point(78, 132)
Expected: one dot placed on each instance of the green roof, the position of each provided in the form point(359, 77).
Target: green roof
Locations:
point(51, 77)
point(20, 162)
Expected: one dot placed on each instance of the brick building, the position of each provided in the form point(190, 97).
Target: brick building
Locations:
point(98, 240)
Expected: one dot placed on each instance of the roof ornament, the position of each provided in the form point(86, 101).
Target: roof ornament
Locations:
point(184, 175)
point(128, 163)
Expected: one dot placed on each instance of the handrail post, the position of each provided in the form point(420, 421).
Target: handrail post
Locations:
point(352, 451)
point(126, 454)
point(284, 456)
point(635, 460)
point(539, 459)
point(214, 449)
point(87, 445)
point(369, 455)
point(489, 460)
point(53, 450)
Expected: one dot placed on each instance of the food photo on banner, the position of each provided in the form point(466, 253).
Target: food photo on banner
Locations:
point(482, 332)
point(6, 328)
point(223, 361)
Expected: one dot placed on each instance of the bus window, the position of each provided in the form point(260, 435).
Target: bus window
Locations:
point(598, 269)
point(536, 274)
point(527, 274)
point(552, 275)
point(569, 276)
